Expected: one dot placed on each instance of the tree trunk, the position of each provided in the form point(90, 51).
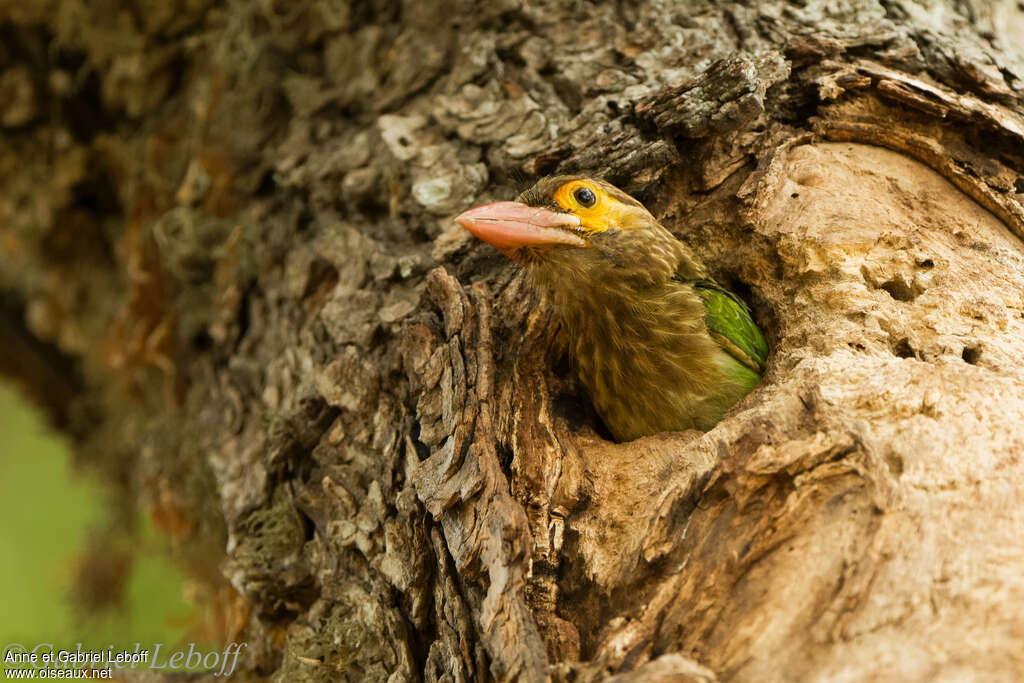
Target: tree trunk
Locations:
point(230, 270)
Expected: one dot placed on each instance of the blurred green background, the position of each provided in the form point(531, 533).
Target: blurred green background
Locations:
point(48, 512)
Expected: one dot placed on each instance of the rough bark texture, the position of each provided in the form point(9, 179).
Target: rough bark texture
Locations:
point(229, 269)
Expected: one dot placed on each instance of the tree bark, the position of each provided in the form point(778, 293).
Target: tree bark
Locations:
point(230, 271)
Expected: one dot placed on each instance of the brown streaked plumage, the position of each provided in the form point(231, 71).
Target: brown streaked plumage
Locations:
point(657, 343)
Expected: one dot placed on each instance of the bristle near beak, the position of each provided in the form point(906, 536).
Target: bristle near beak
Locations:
point(508, 226)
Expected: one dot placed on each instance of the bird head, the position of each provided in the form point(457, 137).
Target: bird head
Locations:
point(578, 228)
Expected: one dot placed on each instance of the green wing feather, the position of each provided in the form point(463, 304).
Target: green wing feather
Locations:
point(729, 322)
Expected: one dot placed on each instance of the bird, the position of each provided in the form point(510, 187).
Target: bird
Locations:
point(656, 342)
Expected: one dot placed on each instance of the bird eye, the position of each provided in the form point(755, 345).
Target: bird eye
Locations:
point(585, 196)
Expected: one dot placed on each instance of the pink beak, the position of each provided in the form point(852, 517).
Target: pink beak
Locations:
point(508, 226)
